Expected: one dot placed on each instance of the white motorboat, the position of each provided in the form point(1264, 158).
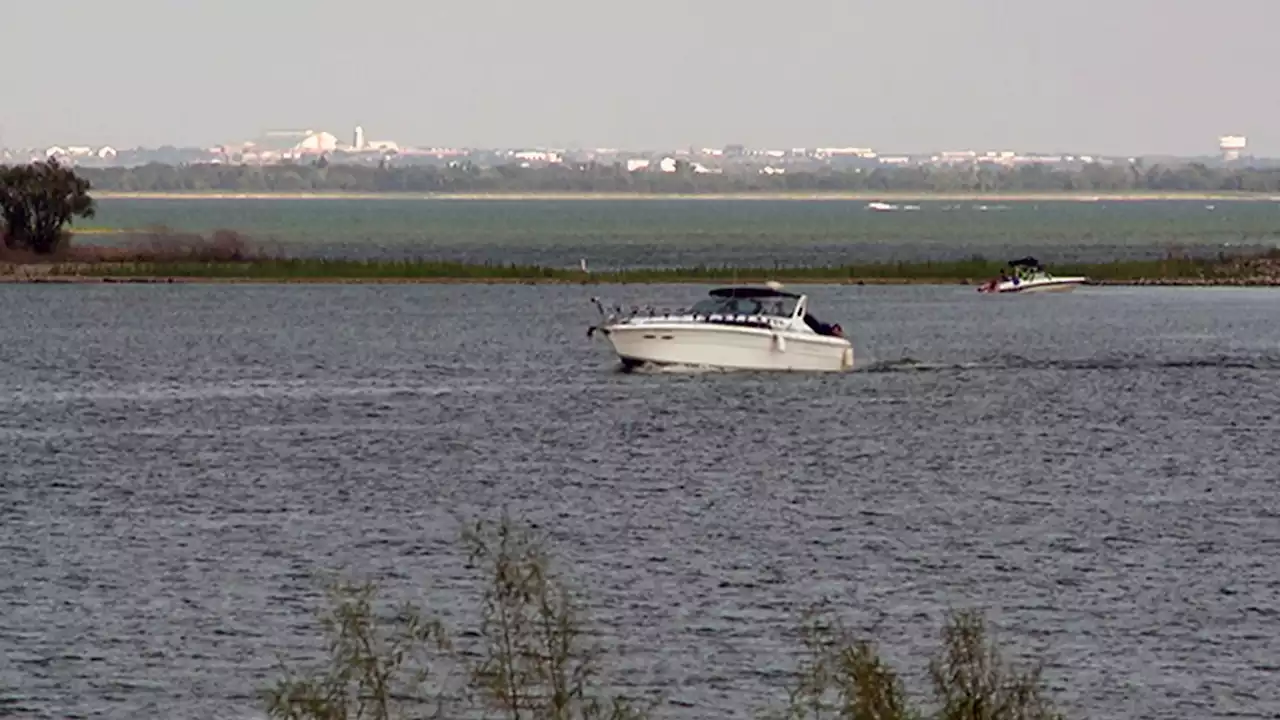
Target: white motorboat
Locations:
point(738, 328)
point(1030, 276)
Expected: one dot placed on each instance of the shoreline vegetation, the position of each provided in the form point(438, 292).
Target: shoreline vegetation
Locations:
point(527, 648)
point(165, 256)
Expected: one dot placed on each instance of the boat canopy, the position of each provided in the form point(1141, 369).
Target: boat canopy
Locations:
point(1025, 262)
point(751, 292)
point(747, 301)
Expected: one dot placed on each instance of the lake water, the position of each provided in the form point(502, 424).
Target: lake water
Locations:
point(1095, 470)
point(614, 234)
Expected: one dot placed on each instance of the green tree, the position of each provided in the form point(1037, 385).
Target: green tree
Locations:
point(37, 201)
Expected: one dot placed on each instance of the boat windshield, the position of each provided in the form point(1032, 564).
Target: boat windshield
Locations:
point(775, 306)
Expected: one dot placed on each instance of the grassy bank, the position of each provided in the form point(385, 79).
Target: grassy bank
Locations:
point(163, 255)
point(1261, 270)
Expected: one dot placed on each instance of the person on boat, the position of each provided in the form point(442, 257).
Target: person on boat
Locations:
point(822, 328)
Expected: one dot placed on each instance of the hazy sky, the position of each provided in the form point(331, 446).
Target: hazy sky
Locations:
point(1108, 76)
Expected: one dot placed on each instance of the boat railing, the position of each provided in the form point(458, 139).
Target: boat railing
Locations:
point(618, 313)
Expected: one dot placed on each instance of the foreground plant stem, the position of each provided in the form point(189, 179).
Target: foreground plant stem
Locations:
point(528, 659)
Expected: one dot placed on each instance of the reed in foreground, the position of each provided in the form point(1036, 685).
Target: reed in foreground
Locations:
point(377, 669)
point(842, 676)
point(528, 657)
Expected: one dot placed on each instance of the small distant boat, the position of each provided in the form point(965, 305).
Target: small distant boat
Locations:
point(881, 207)
point(1028, 275)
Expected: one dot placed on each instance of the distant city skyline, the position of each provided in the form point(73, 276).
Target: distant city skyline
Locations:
point(1110, 77)
point(1230, 146)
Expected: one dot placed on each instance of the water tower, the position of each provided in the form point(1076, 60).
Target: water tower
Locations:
point(1231, 146)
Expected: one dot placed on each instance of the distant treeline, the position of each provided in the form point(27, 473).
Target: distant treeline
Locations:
point(615, 178)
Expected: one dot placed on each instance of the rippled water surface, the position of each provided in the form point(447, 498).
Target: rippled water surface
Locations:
point(1096, 470)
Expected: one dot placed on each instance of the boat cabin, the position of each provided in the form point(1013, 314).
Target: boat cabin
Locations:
point(753, 306)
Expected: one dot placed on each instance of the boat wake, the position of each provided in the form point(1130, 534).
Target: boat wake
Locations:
point(906, 364)
point(1015, 362)
point(1005, 363)
point(1218, 362)
point(648, 369)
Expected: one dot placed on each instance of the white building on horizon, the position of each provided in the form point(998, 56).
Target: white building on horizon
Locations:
point(1232, 146)
point(317, 142)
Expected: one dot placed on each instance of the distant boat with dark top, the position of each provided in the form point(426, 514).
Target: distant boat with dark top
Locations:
point(1028, 275)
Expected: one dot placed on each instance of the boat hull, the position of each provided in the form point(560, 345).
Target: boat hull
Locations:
point(1043, 286)
point(729, 347)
